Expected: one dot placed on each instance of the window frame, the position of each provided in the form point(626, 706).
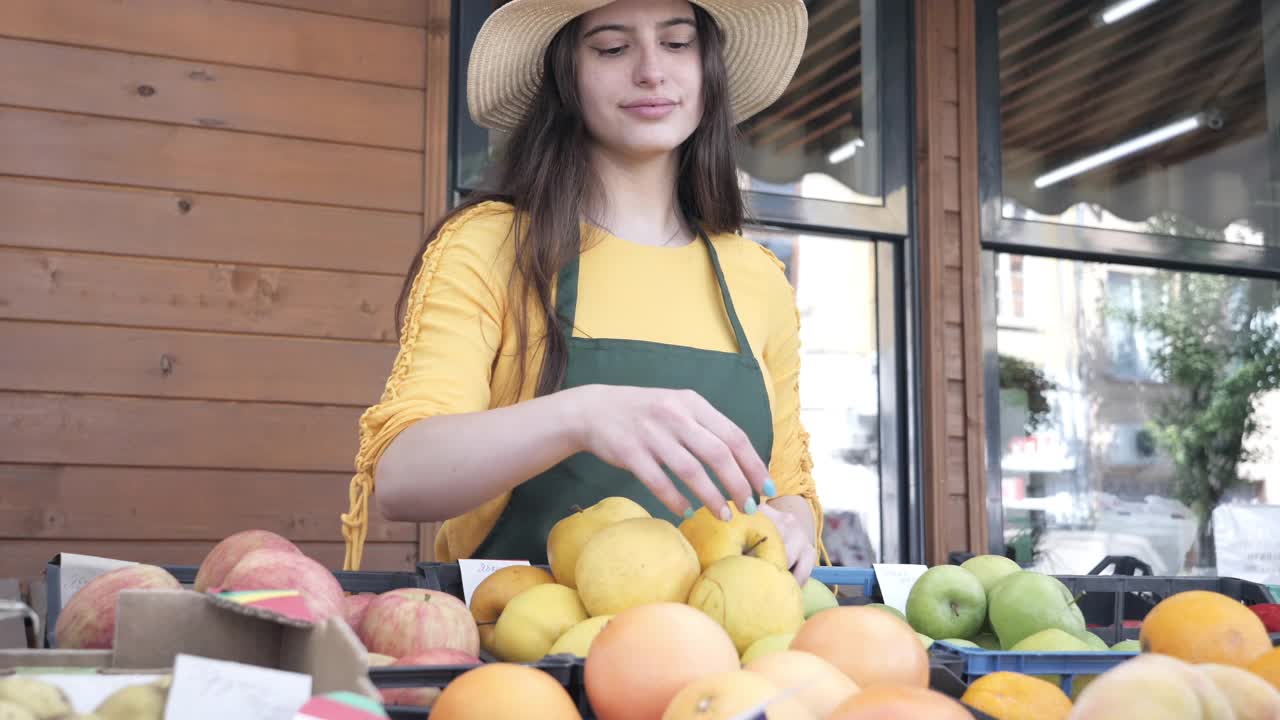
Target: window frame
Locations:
point(1066, 242)
point(890, 226)
point(1032, 237)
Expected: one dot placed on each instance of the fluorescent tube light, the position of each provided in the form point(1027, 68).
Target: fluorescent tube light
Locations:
point(845, 151)
point(1128, 147)
point(1116, 12)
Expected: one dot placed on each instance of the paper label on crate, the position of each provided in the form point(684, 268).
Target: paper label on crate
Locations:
point(895, 582)
point(76, 571)
point(473, 571)
point(205, 689)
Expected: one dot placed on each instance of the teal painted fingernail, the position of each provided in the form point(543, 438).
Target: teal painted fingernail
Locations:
point(688, 513)
point(750, 507)
point(769, 488)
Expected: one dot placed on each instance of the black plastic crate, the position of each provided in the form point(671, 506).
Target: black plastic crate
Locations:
point(1109, 601)
point(352, 581)
point(559, 667)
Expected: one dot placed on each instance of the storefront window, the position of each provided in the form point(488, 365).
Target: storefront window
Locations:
point(1154, 118)
point(1139, 415)
point(821, 140)
point(835, 284)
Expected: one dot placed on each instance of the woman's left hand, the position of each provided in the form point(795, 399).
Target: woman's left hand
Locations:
point(797, 535)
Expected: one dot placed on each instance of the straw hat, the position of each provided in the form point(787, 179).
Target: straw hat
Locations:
point(763, 43)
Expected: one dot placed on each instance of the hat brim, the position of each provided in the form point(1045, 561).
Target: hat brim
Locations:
point(764, 42)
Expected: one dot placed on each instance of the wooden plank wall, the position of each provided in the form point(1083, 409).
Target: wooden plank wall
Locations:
point(206, 211)
point(947, 171)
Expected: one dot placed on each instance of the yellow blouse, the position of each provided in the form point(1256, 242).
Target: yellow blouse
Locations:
point(457, 348)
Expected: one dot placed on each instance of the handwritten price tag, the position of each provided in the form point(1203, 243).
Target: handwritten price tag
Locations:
point(895, 582)
point(205, 689)
point(473, 571)
point(77, 570)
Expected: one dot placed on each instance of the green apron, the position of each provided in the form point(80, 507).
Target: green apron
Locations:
point(731, 381)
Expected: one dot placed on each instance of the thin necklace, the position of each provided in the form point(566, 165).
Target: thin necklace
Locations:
point(611, 232)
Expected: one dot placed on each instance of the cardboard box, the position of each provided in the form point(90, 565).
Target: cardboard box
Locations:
point(154, 626)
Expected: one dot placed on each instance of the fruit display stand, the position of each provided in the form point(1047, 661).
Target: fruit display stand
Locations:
point(857, 586)
point(354, 582)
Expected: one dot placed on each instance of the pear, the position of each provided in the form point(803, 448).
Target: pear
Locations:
point(44, 701)
point(136, 702)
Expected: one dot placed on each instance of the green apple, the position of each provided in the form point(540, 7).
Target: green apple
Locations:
point(1055, 640)
point(947, 601)
point(1127, 646)
point(817, 597)
point(1027, 602)
point(889, 609)
point(1093, 641)
point(925, 640)
point(987, 641)
point(958, 642)
point(991, 569)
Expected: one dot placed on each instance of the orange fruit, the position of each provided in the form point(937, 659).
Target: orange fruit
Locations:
point(1014, 696)
point(1267, 667)
point(894, 702)
point(648, 653)
point(502, 690)
point(1200, 626)
point(898, 657)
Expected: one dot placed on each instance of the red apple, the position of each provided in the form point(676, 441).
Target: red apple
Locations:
point(355, 607)
point(425, 697)
point(88, 620)
point(285, 570)
point(224, 556)
point(409, 621)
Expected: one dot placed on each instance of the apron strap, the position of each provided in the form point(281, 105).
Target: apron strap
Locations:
point(744, 347)
point(567, 297)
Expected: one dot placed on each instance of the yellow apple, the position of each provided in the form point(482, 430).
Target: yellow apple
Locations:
point(750, 598)
point(753, 535)
point(767, 645)
point(635, 562)
point(577, 639)
point(495, 591)
point(533, 621)
point(571, 533)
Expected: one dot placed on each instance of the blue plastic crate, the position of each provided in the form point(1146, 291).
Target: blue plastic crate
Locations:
point(847, 577)
point(973, 664)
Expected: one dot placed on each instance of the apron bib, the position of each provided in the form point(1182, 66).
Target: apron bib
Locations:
point(731, 381)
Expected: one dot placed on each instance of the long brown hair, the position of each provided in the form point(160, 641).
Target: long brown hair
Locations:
point(545, 174)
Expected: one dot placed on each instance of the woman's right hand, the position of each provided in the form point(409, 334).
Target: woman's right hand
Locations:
point(642, 430)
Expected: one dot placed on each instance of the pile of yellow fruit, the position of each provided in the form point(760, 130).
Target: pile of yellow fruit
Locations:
point(613, 556)
point(697, 620)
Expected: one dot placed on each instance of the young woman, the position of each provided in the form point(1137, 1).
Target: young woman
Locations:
point(596, 327)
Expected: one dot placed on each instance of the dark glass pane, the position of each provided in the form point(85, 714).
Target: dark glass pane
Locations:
point(821, 139)
point(1139, 411)
point(1152, 122)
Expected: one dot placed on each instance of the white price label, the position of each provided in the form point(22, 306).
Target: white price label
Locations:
point(205, 689)
point(474, 571)
point(75, 571)
point(896, 581)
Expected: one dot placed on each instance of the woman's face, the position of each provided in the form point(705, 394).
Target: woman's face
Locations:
point(640, 76)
